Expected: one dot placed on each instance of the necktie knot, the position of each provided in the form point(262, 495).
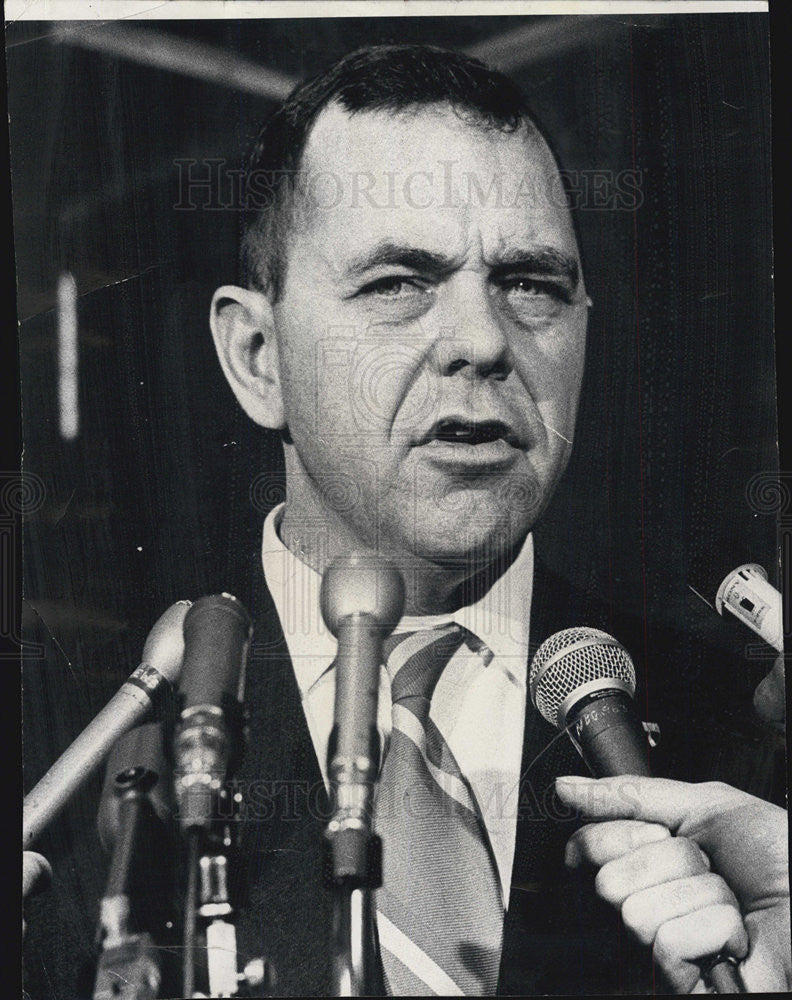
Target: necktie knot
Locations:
point(416, 660)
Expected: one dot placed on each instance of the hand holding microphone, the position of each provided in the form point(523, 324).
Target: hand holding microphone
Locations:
point(668, 895)
point(583, 680)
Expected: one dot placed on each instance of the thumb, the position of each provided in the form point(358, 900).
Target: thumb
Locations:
point(653, 800)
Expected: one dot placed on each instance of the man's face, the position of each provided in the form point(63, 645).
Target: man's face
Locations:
point(430, 333)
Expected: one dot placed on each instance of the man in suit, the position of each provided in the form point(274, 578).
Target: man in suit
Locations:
point(411, 321)
point(413, 324)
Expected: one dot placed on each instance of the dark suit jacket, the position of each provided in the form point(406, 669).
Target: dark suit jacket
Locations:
point(558, 937)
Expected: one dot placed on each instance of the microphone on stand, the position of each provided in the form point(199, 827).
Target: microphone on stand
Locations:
point(362, 599)
point(217, 633)
point(582, 680)
point(134, 827)
point(206, 748)
point(137, 766)
point(134, 701)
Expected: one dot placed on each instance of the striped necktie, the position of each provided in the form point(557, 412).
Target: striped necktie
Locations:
point(440, 908)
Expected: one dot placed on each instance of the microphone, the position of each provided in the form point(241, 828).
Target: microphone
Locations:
point(133, 823)
point(162, 658)
point(137, 766)
point(217, 633)
point(583, 680)
point(749, 596)
point(362, 599)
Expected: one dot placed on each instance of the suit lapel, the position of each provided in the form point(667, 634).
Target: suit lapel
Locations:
point(285, 910)
point(536, 947)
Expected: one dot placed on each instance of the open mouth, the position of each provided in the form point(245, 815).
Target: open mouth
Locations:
point(470, 432)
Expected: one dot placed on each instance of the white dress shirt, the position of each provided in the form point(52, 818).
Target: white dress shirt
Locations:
point(480, 710)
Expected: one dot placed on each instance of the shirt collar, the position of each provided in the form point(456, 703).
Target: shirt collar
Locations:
point(500, 618)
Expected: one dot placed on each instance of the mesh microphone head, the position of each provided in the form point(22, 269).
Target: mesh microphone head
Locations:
point(573, 659)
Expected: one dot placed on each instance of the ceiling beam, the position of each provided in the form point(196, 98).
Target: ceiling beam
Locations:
point(545, 38)
point(174, 54)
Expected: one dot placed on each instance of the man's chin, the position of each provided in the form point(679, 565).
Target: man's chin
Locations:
point(469, 543)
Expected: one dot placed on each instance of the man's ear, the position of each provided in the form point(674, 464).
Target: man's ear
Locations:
point(244, 335)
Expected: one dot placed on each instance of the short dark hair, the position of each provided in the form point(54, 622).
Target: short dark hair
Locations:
point(376, 78)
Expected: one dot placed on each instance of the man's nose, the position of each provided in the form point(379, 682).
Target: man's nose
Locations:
point(470, 338)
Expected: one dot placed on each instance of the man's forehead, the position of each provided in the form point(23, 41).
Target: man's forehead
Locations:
point(429, 174)
point(351, 136)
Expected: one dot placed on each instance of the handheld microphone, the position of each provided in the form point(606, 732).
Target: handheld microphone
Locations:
point(749, 596)
point(217, 633)
point(583, 680)
point(162, 659)
point(362, 599)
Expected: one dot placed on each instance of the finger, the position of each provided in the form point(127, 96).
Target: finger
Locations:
point(654, 800)
point(681, 943)
point(645, 911)
point(36, 873)
point(653, 864)
point(599, 843)
point(770, 696)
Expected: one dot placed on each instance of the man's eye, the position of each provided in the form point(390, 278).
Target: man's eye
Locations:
point(531, 299)
point(396, 298)
point(391, 287)
point(525, 287)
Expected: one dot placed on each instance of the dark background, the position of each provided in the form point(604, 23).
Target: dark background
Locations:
point(153, 502)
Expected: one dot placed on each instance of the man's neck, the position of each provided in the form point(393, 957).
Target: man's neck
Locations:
point(431, 588)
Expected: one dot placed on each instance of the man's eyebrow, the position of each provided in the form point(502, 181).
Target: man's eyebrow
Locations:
point(542, 260)
point(389, 254)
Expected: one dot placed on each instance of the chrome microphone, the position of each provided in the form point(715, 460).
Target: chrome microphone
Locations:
point(362, 599)
point(208, 738)
point(583, 681)
point(132, 704)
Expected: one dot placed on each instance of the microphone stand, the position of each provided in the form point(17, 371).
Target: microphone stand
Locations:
point(128, 967)
point(353, 852)
point(210, 963)
point(361, 598)
point(207, 746)
point(353, 867)
point(210, 947)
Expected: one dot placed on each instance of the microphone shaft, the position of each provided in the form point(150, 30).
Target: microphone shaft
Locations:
point(353, 752)
point(609, 736)
point(129, 706)
point(357, 687)
point(217, 634)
